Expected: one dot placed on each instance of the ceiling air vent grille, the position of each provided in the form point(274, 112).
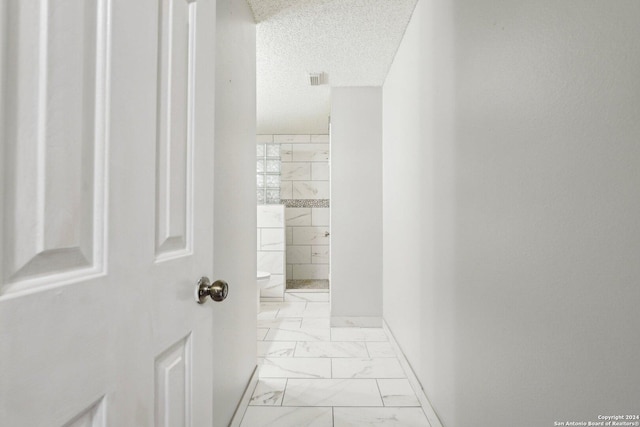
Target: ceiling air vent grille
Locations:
point(317, 79)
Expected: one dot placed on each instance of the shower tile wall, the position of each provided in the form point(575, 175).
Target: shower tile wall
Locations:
point(271, 249)
point(304, 189)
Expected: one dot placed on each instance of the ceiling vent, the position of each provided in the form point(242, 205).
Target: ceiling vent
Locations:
point(317, 79)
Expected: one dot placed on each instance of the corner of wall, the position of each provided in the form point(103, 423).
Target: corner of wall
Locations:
point(234, 235)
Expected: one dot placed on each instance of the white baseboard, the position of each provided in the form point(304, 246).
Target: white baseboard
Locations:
point(356, 322)
point(413, 380)
point(244, 401)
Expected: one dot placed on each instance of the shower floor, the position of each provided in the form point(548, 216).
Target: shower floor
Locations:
point(307, 284)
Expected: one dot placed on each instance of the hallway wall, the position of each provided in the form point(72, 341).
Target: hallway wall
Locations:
point(356, 205)
point(511, 236)
point(234, 167)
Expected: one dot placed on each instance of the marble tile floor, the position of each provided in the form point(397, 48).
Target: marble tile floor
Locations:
point(313, 375)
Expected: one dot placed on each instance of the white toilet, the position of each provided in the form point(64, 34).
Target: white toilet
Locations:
point(262, 279)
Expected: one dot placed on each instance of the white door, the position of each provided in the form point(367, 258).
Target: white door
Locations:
point(106, 212)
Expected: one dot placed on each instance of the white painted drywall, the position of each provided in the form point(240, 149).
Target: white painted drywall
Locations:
point(356, 202)
point(511, 231)
point(235, 206)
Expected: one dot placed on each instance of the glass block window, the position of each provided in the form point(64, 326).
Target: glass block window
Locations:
point(273, 150)
point(273, 196)
point(273, 166)
point(268, 173)
point(273, 181)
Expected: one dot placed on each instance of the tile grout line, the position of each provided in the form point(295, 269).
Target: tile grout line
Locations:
point(378, 385)
point(286, 384)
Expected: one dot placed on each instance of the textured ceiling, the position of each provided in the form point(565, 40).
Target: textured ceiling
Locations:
point(353, 41)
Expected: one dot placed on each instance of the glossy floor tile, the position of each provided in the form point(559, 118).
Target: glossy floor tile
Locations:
point(379, 417)
point(380, 349)
point(358, 334)
point(317, 310)
point(331, 349)
point(397, 392)
point(278, 416)
point(366, 368)
point(269, 392)
point(297, 334)
point(286, 322)
point(261, 333)
point(315, 322)
point(268, 310)
point(306, 296)
point(332, 392)
point(291, 309)
point(276, 348)
point(290, 367)
point(310, 374)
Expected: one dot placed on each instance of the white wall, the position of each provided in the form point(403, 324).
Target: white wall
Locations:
point(511, 232)
point(235, 205)
point(356, 202)
point(271, 249)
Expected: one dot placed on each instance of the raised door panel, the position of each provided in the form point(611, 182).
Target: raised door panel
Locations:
point(174, 151)
point(55, 110)
point(94, 416)
point(173, 386)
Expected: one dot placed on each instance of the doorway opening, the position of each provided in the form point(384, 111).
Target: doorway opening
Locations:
point(293, 196)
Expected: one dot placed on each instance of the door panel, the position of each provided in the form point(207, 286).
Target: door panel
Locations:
point(106, 212)
point(94, 416)
point(173, 385)
point(54, 195)
point(176, 73)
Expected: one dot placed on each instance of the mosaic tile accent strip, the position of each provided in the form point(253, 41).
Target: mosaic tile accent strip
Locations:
point(305, 203)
